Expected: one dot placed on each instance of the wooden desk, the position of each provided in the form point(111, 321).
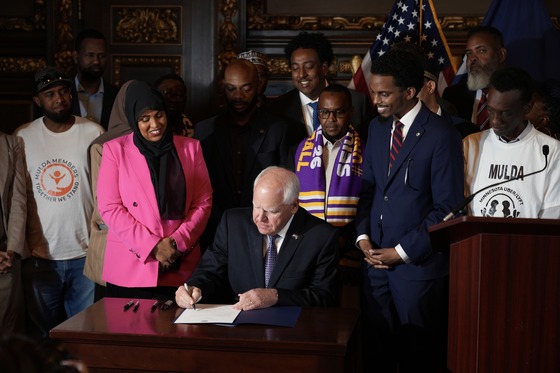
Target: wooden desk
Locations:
point(110, 340)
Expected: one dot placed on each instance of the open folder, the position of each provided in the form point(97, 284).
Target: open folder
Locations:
point(225, 314)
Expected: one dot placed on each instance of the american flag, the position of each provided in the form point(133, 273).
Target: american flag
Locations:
point(534, 47)
point(413, 21)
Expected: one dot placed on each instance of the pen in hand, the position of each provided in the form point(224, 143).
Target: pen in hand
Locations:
point(128, 305)
point(187, 288)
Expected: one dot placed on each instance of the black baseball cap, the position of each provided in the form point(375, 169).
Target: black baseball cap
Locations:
point(49, 77)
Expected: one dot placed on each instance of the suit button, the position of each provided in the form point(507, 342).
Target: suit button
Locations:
point(134, 204)
point(386, 198)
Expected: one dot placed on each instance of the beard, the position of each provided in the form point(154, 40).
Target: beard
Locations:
point(59, 117)
point(91, 75)
point(478, 81)
point(480, 77)
point(248, 109)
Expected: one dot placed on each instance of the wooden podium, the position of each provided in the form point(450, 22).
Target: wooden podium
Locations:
point(504, 294)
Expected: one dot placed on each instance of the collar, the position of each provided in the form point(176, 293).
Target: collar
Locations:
point(81, 89)
point(326, 142)
point(284, 230)
point(408, 118)
point(521, 136)
point(306, 100)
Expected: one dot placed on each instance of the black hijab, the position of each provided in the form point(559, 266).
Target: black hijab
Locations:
point(165, 167)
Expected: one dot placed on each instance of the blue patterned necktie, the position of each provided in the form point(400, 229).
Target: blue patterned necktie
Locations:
point(315, 107)
point(270, 258)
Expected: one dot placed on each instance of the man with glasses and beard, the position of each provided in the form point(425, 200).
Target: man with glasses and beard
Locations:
point(92, 97)
point(240, 142)
point(55, 147)
point(485, 54)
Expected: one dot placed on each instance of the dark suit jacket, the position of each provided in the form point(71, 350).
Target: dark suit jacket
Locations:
point(462, 98)
point(108, 98)
point(425, 184)
point(305, 273)
point(289, 105)
point(464, 127)
point(269, 142)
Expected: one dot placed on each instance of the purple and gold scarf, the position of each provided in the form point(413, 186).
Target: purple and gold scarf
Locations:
point(339, 207)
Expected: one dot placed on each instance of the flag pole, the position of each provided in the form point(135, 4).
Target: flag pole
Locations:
point(420, 22)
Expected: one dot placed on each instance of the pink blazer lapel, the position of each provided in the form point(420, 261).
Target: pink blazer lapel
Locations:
point(143, 187)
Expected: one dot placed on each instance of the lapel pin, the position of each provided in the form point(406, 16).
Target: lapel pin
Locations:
point(418, 134)
point(295, 236)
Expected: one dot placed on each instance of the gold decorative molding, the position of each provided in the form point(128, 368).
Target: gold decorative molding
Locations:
point(280, 67)
point(228, 33)
point(21, 64)
point(146, 25)
point(258, 20)
point(174, 62)
point(459, 23)
point(37, 22)
point(64, 36)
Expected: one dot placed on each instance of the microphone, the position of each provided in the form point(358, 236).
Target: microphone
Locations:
point(467, 200)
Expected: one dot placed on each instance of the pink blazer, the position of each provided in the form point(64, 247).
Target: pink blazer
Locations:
point(127, 203)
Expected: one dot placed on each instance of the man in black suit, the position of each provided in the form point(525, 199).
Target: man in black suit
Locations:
point(239, 143)
point(304, 247)
point(485, 54)
point(310, 55)
point(92, 97)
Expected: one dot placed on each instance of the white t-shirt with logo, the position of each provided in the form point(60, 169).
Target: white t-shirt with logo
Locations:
point(489, 160)
point(59, 171)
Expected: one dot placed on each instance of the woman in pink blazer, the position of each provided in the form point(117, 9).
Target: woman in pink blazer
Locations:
point(154, 194)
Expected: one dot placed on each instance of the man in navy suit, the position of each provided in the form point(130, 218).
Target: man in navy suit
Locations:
point(306, 248)
point(405, 278)
point(310, 55)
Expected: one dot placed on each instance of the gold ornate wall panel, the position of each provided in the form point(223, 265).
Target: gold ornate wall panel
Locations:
point(64, 35)
point(148, 67)
point(36, 21)
point(21, 64)
point(146, 25)
point(228, 32)
point(33, 22)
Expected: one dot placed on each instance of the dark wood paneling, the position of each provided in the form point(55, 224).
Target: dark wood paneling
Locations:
point(17, 109)
point(504, 294)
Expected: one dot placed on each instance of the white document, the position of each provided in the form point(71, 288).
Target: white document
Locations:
point(208, 314)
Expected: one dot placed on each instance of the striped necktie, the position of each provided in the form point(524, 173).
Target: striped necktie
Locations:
point(396, 143)
point(482, 117)
point(270, 258)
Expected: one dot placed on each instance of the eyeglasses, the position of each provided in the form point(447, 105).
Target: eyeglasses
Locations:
point(339, 113)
